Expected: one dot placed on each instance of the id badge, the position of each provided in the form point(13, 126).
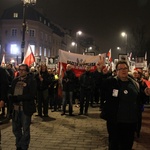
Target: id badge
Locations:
point(115, 93)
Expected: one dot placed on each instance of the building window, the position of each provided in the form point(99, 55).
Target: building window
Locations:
point(32, 33)
point(40, 52)
point(44, 51)
point(15, 15)
point(14, 32)
point(14, 49)
point(44, 21)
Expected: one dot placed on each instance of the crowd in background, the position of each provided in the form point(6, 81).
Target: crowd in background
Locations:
point(87, 86)
point(84, 91)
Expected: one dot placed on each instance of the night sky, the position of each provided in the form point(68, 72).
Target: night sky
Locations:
point(103, 20)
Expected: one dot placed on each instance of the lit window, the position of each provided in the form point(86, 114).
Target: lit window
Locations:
point(32, 33)
point(14, 49)
point(40, 52)
point(15, 15)
point(48, 52)
point(14, 32)
point(44, 51)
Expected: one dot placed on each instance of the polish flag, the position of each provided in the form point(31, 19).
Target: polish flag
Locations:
point(29, 58)
point(3, 60)
point(109, 56)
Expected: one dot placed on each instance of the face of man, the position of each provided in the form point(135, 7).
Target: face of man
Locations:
point(68, 67)
point(122, 71)
point(87, 68)
point(43, 68)
point(22, 71)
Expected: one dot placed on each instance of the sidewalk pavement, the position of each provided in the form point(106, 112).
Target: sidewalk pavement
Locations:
point(72, 132)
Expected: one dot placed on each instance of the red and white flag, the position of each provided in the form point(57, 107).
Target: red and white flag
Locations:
point(78, 62)
point(109, 56)
point(3, 60)
point(29, 58)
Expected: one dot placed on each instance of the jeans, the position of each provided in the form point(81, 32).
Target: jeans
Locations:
point(21, 128)
point(67, 96)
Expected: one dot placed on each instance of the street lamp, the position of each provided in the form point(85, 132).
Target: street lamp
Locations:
point(77, 34)
point(124, 35)
point(25, 4)
point(118, 48)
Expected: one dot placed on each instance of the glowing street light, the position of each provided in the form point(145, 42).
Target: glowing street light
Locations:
point(118, 48)
point(124, 35)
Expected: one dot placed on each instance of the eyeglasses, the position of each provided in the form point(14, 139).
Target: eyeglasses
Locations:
point(22, 69)
point(121, 69)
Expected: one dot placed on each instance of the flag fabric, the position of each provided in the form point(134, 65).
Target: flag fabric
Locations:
point(3, 60)
point(109, 56)
point(145, 56)
point(29, 58)
point(147, 82)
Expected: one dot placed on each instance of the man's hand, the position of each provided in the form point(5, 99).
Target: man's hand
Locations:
point(1, 103)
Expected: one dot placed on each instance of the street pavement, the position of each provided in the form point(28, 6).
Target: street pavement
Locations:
point(72, 132)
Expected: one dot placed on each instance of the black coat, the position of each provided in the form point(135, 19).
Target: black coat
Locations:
point(86, 81)
point(68, 81)
point(110, 107)
point(28, 96)
point(3, 84)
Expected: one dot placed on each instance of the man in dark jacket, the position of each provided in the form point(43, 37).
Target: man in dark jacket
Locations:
point(68, 87)
point(23, 92)
point(43, 79)
point(122, 108)
point(86, 82)
point(3, 86)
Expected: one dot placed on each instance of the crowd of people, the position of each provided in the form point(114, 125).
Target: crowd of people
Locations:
point(119, 94)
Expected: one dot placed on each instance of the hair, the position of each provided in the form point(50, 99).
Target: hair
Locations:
point(121, 62)
point(25, 65)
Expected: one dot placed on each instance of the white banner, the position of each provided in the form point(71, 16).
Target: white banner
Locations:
point(79, 61)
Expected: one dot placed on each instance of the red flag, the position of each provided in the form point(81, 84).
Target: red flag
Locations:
point(29, 58)
point(147, 83)
point(109, 56)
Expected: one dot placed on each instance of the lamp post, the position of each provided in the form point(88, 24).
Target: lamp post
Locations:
point(124, 35)
point(77, 34)
point(25, 4)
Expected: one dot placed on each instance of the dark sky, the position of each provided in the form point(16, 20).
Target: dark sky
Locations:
point(103, 20)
